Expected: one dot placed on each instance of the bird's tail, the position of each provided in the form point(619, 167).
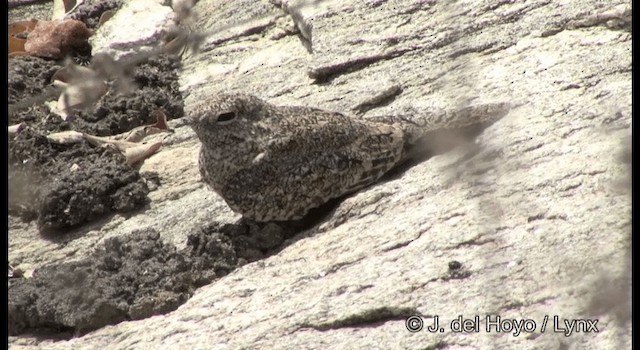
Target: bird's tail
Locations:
point(435, 132)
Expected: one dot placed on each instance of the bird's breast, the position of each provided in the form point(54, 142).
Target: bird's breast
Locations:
point(217, 165)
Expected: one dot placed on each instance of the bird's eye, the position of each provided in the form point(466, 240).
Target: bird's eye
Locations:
point(226, 118)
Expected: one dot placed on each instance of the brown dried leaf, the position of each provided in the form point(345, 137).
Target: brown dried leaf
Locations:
point(161, 120)
point(62, 8)
point(106, 15)
point(133, 152)
point(18, 53)
point(135, 135)
point(141, 152)
point(18, 32)
point(16, 46)
point(22, 27)
point(121, 146)
point(71, 4)
point(139, 133)
point(54, 39)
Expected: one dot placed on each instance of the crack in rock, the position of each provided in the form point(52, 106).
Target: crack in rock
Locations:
point(328, 72)
point(366, 318)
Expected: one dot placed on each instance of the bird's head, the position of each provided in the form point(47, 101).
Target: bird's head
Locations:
point(229, 119)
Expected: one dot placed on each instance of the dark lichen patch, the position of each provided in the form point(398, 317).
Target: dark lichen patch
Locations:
point(67, 185)
point(29, 76)
point(101, 183)
point(130, 277)
point(156, 87)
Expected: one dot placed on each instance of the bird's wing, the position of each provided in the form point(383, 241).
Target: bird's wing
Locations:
point(309, 130)
point(285, 185)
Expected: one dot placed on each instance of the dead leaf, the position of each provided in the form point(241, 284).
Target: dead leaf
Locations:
point(15, 129)
point(132, 151)
point(16, 47)
point(161, 120)
point(106, 15)
point(18, 32)
point(70, 5)
point(82, 88)
point(66, 137)
point(62, 8)
point(22, 27)
point(81, 96)
point(139, 133)
point(106, 141)
point(15, 272)
point(55, 39)
point(141, 152)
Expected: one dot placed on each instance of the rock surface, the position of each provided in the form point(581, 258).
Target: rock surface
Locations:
point(533, 220)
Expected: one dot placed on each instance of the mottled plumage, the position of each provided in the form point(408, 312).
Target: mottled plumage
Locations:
point(274, 163)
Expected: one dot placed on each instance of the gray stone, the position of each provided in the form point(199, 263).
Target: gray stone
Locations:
point(146, 23)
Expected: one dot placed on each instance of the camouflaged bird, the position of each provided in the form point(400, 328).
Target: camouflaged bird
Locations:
point(275, 163)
